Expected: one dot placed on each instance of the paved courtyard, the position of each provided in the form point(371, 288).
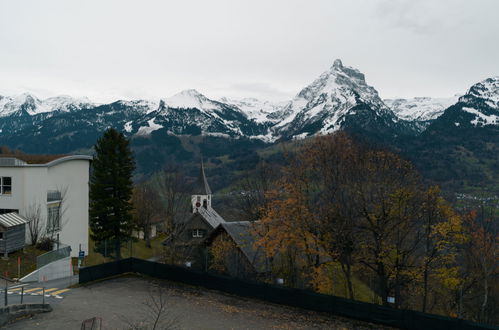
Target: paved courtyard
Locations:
point(122, 304)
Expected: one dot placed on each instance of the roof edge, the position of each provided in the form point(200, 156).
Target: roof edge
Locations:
point(61, 160)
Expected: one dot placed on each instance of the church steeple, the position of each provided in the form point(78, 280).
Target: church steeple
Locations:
point(201, 194)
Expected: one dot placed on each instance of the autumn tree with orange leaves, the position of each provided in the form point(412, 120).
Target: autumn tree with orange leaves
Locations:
point(366, 210)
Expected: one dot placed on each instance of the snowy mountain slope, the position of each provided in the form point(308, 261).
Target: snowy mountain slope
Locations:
point(258, 110)
point(27, 104)
point(420, 108)
point(478, 108)
point(191, 113)
point(332, 102)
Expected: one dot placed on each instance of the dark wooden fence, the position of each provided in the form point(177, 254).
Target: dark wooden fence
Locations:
point(280, 295)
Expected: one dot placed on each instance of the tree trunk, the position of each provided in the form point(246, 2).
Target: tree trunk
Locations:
point(347, 271)
point(147, 235)
point(485, 299)
point(117, 249)
point(425, 289)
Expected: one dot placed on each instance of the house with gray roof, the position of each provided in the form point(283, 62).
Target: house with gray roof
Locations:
point(245, 260)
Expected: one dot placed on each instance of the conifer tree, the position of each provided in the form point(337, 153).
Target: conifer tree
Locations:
point(111, 190)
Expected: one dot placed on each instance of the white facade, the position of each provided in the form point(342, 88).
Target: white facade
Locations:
point(36, 185)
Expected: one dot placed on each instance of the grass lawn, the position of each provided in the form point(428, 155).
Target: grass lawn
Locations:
point(338, 286)
point(28, 262)
point(137, 249)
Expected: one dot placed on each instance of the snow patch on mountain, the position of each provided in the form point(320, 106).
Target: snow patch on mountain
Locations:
point(420, 108)
point(145, 106)
point(151, 127)
point(128, 126)
point(482, 119)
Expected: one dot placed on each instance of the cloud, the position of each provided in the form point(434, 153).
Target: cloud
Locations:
point(260, 89)
point(416, 16)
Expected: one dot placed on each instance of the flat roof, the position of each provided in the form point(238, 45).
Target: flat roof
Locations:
point(18, 161)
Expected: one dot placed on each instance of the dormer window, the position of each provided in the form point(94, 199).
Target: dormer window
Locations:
point(205, 203)
point(198, 233)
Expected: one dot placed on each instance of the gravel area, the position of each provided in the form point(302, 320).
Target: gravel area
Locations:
point(122, 303)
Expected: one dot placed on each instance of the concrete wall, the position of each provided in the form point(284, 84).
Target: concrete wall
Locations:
point(58, 269)
point(13, 312)
point(73, 177)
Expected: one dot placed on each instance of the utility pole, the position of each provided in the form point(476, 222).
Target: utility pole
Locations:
point(6, 301)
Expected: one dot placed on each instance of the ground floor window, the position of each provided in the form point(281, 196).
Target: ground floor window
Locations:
point(53, 217)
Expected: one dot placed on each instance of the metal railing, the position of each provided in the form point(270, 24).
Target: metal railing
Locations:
point(46, 258)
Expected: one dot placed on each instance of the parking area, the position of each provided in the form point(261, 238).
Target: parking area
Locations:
point(127, 302)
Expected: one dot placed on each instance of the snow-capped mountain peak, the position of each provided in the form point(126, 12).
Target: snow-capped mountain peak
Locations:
point(486, 90)
point(329, 99)
point(482, 102)
point(190, 99)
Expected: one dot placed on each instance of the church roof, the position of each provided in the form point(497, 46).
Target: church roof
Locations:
point(211, 216)
point(244, 237)
point(201, 187)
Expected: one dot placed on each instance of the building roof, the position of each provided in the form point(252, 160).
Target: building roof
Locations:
point(211, 216)
point(18, 162)
point(244, 237)
point(201, 187)
point(8, 220)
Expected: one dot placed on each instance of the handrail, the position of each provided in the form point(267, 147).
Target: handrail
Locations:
point(51, 256)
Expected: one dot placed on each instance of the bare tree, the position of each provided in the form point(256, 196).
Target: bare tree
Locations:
point(146, 209)
point(174, 197)
point(33, 215)
point(155, 312)
point(251, 198)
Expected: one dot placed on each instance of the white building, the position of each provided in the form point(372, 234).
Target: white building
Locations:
point(57, 191)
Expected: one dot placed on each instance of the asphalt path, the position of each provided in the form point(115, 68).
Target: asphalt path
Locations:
point(31, 293)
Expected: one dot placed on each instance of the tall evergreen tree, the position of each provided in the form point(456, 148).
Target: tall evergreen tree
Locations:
point(111, 189)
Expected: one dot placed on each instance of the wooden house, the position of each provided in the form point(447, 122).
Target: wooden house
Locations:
point(12, 233)
point(242, 259)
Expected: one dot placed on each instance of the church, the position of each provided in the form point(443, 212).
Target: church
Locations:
point(192, 230)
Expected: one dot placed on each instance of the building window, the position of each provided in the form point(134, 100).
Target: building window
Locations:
point(198, 233)
point(53, 217)
point(1, 235)
point(53, 195)
point(5, 185)
point(3, 211)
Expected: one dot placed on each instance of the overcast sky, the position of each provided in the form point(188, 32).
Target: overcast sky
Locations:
point(110, 49)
